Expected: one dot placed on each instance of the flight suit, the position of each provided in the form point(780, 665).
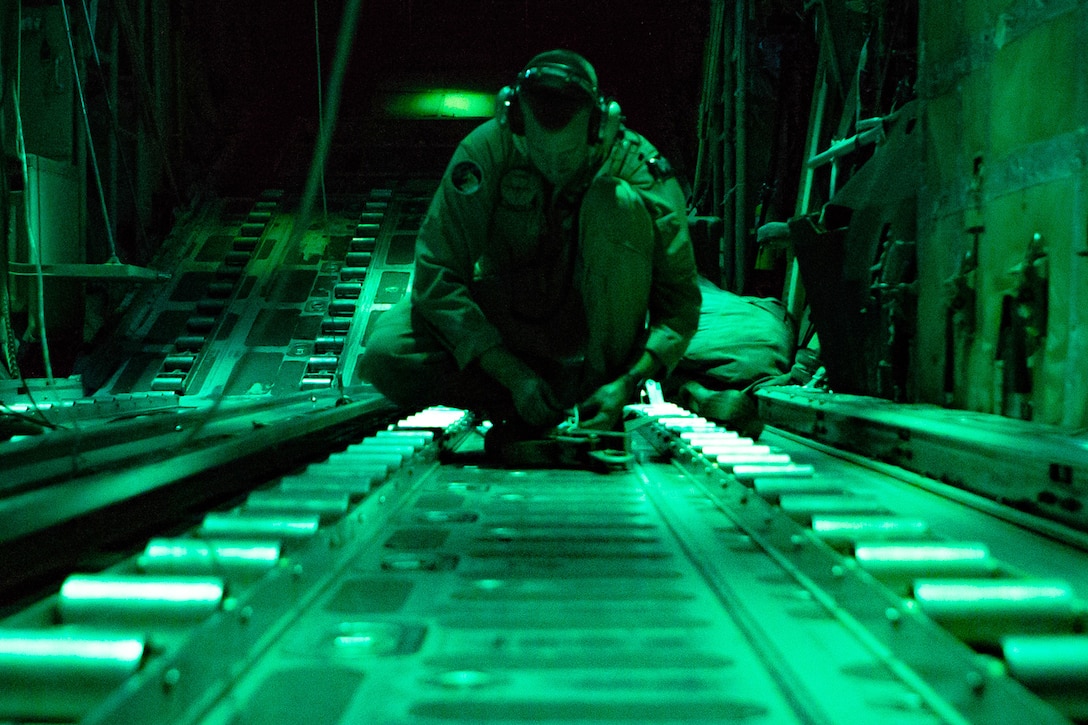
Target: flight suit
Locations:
point(577, 284)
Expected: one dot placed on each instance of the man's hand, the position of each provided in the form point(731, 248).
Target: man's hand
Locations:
point(603, 409)
point(536, 403)
point(533, 397)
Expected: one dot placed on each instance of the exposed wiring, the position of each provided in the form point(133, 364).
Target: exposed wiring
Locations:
point(34, 251)
point(9, 344)
point(32, 246)
point(320, 109)
point(324, 137)
point(706, 123)
point(115, 124)
point(90, 137)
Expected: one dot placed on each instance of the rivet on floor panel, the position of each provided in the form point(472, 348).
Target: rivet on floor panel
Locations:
point(466, 679)
point(894, 616)
point(171, 678)
point(976, 681)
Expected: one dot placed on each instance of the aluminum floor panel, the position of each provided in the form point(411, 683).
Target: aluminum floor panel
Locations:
point(563, 596)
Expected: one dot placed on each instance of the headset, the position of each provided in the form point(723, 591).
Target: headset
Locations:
point(552, 69)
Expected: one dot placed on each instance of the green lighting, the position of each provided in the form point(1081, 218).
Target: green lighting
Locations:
point(133, 591)
point(53, 646)
point(992, 592)
point(864, 526)
point(921, 553)
point(441, 103)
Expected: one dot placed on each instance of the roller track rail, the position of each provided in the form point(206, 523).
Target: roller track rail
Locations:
point(100, 484)
point(404, 580)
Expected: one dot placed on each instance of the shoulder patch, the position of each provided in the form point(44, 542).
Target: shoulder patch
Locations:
point(467, 177)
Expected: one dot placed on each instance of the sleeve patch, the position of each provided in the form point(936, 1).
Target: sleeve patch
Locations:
point(467, 177)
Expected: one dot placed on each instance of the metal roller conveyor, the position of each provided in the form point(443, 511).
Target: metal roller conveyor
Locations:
point(678, 424)
point(405, 448)
point(416, 438)
point(749, 461)
point(323, 363)
point(700, 438)
point(200, 323)
point(316, 382)
point(783, 470)
point(1056, 665)
point(259, 525)
point(437, 588)
point(359, 576)
point(437, 418)
point(805, 506)
point(128, 600)
point(348, 461)
point(772, 488)
point(237, 259)
point(335, 326)
point(900, 564)
point(983, 611)
point(60, 673)
point(847, 531)
point(353, 273)
point(342, 308)
point(327, 505)
point(733, 446)
point(354, 482)
point(220, 289)
point(211, 306)
point(328, 344)
point(344, 291)
point(190, 343)
point(172, 382)
point(396, 454)
point(242, 558)
point(178, 363)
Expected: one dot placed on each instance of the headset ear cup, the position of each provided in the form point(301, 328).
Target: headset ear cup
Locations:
point(514, 117)
point(610, 118)
point(508, 112)
point(596, 114)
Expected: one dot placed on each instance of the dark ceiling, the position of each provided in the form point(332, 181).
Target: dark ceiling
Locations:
point(255, 66)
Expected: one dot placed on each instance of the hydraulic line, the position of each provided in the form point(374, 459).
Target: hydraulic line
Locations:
point(115, 124)
point(33, 251)
point(90, 138)
point(324, 138)
point(320, 108)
